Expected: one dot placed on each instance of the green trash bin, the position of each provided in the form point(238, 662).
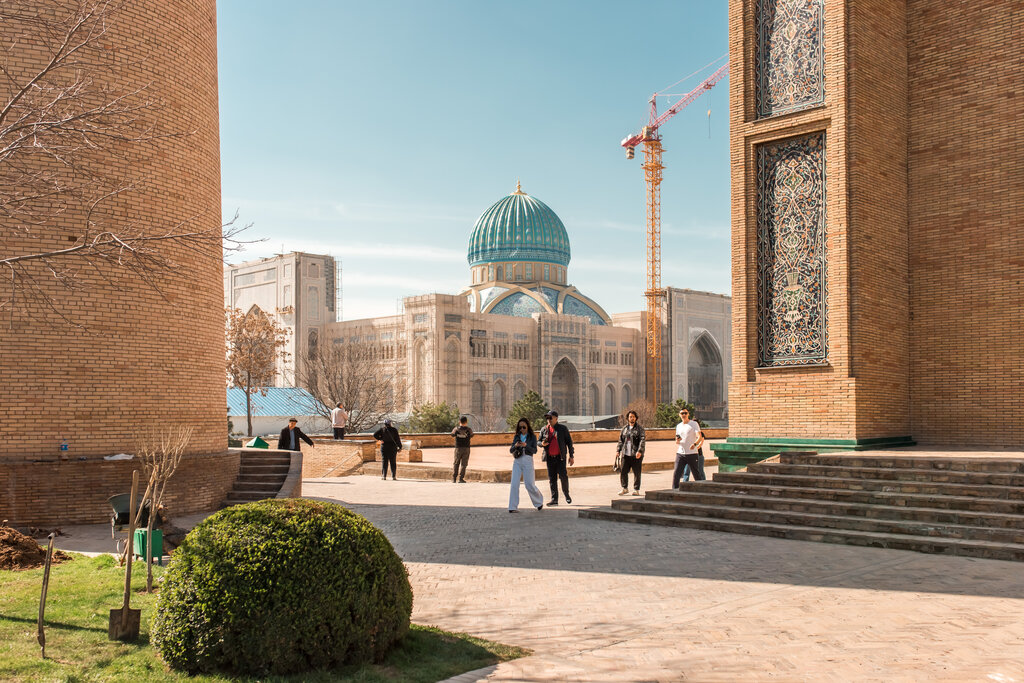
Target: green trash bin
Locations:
point(158, 545)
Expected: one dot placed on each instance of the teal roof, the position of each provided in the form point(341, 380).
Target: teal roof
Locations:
point(519, 228)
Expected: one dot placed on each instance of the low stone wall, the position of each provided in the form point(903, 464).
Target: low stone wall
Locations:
point(57, 492)
point(332, 458)
point(578, 436)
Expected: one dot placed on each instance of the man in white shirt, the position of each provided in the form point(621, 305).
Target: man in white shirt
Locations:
point(339, 420)
point(688, 440)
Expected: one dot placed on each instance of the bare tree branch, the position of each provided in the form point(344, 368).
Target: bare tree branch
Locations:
point(64, 119)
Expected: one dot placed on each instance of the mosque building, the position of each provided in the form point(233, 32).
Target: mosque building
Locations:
point(518, 326)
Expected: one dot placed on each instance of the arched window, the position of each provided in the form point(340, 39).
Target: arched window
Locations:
point(313, 303)
point(627, 397)
point(477, 398)
point(314, 337)
point(420, 368)
point(451, 362)
point(499, 273)
point(595, 400)
point(500, 406)
point(609, 399)
point(518, 391)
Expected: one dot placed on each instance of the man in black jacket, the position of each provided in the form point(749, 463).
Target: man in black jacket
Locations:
point(558, 448)
point(290, 436)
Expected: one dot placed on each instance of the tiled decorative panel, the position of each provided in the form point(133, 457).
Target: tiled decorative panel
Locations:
point(789, 58)
point(791, 307)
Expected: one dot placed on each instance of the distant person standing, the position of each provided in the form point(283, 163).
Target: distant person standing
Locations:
point(462, 435)
point(339, 420)
point(390, 443)
point(290, 437)
point(700, 443)
point(524, 445)
point(632, 442)
point(688, 440)
point(558, 449)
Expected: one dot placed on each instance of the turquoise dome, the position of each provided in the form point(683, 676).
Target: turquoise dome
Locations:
point(519, 228)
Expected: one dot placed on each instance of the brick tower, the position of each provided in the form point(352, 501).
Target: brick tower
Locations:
point(143, 359)
point(876, 225)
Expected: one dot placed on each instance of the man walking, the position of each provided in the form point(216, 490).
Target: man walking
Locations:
point(688, 440)
point(290, 436)
point(339, 419)
point(558, 448)
point(462, 435)
point(700, 451)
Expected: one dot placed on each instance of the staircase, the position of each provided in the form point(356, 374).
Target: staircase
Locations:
point(956, 506)
point(260, 476)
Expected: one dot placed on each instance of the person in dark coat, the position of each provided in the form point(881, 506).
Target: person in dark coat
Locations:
point(390, 444)
point(632, 441)
point(558, 448)
point(290, 437)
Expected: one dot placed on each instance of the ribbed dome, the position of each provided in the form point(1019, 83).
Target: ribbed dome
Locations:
point(519, 228)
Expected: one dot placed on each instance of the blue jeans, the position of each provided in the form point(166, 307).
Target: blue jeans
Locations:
point(686, 470)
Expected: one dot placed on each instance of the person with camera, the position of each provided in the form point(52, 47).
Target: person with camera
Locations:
point(558, 449)
point(524, 445)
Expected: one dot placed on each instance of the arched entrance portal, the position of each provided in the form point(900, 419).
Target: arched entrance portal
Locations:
point(704, 372)
point(565, 388)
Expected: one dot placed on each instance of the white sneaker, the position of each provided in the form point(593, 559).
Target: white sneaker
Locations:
point(636, 493)
point(623, 492)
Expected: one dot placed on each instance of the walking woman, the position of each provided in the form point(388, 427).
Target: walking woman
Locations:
point(632, 442)
point(390, 444)
point(524, 445)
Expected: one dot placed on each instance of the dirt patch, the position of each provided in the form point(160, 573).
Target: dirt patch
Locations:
point(18, 551)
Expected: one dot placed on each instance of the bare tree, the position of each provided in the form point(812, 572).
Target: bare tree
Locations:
point(255, 343)
point(351, 374)
point(160, 454)
point(63, 120)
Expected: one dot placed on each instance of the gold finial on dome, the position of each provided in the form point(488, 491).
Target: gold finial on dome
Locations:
point(519, 189)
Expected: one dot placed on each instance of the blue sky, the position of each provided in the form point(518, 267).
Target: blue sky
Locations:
point(379, 131)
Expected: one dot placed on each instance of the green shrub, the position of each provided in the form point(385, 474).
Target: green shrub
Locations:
point(434, 417)
point(532, 407)
point(281, 586)
point(668, 413)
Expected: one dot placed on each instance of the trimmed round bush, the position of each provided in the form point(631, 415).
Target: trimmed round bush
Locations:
point(281, 586)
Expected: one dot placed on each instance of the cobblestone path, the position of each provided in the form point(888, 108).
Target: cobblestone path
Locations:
point(601, 601)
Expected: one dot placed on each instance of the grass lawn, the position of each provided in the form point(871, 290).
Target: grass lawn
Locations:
point(78, 604)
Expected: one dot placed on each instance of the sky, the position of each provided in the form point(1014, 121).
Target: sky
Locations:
point(378, 132)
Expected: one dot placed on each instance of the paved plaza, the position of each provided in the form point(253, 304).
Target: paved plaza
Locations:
point(602, 601)
point(616, 602)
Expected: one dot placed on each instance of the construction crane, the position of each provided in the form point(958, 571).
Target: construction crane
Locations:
point(650, 138)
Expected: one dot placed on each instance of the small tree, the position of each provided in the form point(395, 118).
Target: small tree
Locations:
point(434, 417)
point(160, 454)
point(668, 413)
point(646, 414)
point(255, 342)
point(531, 406)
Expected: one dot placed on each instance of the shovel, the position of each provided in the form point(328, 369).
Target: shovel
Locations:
point(124, 622)
point(40, 632)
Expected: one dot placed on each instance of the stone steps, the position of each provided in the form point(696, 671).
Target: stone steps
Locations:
point(772, 515)
point(878, 511)
point(926, 544)
point(927, 488)
point(966, 464)
point(896, 499)
point(901, 474)
point(967, 506)
point(260, 476)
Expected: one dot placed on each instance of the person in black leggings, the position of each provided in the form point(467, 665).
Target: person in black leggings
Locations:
point(390, 444)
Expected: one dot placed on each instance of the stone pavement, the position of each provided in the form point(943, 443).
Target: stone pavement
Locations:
point(601, 601)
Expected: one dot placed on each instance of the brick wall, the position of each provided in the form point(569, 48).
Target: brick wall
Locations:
point(142, 360)
point(925, 244)
point(966, 221)
point(55, 492)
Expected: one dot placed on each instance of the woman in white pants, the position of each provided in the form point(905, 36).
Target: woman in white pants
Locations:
point(524, 445)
